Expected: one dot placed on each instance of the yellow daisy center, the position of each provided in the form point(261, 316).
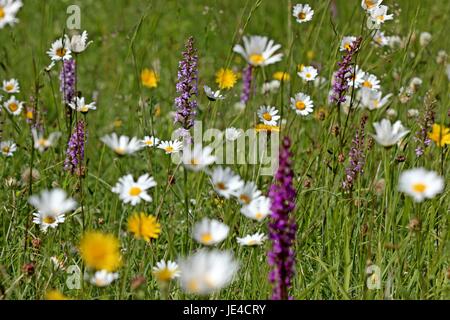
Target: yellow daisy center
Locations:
point(49, 220)
point(302, 16)
point(267, 116)
point(347, 46)
point(367, 84)
point(194, 161)
point(5, 149)
point(308, 75)
point(2, 13)
point(258, 215)
point(376, 103)
point(164, 274)
point(61, 52)
point(300, 105)
point(42, 142)
point(13, 107)
point(256, 59)
point(419, 187)
point(251, 242)
point(206, 237)
point(168, 149)
point(245, 198)
point(149, 142)
point(221, 186)
point(380, 18)
point(193, 286)
point(9, 87)
point(119, 150)
point(135, 191)
point(84, 108)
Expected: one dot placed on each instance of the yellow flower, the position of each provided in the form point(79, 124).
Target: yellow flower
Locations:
point(149, 78)
point(100, 251)
point(143, 226)
point(310, 54)
point(226, 78)
point(265, 127)
point(55, 295)
point(440, 135)
point(281, 76)
point(117, 123)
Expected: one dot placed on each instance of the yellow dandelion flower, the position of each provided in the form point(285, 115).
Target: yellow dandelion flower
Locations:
point(265, 127)
point(55, 295)
point(149, 78)
point(157, 111)
point(310, 54)
point(100, 251)
point(117, 123)
point(281, 76)
point(440, 135)
point(226, 78)
point(143, 226)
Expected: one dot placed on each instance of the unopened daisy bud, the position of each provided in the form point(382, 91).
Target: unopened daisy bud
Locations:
point(28, 175)
point(412, 113)
point(425, 39)
point(442, 57)
point(391, 113)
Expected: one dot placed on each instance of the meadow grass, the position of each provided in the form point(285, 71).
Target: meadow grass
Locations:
point(339, 233)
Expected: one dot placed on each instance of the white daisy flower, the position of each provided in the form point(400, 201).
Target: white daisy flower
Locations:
point(210, 232)
point(78, 43)
point(60, 50)
point(8, 148)
point(13, 106)
point(270, 86)
point(259, 51)
point(225, 182)
point(370, 81)
point(370, 4)
point(247, 193)
point(258, 209)
point(373, 99)
point(150, 141)
point(122, 145)
point(41, 143)
point(308, 73)
point(346, 43)
point(380, 39)
point(387, 134)
point(420, 183)
point(256, 239)
point(81, 106)
point(302, 12)
point(166, 271)
point(103, 278)
point(11, 86)
point(268, 115)
point(198, 158)
point(357, 76)
point(8, 12)
point(415, 84)
point(302, 104)
point(213, 95)
point(379, 14)
point(232, 133)
point(133, 192)
point(205, 271)
point(171, 146)
point(51, 207)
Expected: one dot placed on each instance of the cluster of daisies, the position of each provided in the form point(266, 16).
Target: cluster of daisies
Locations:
point(13, 107)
